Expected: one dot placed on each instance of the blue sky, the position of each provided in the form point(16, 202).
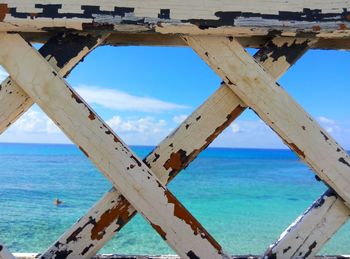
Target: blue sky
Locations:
point(145, 92)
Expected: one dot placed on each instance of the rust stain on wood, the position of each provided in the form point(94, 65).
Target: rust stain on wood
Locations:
point(33, 15)
point(82, 150)
point(92, 116)
point(159, 230)
point(115, 138)
point(230, 118)
point(76, 97)
point(120, 212)
point(296, 149)
point(182, 213)
point(316, 28)
point(342, 26)
point(176, 160)
point(180, 159)
point(3, 11)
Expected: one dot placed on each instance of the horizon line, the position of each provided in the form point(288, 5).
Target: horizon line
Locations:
point(152, 146)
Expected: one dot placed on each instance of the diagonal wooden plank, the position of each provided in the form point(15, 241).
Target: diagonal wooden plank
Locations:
point(121, 166)
point(113, 211)
point(173, 154)
point(299, 131)
point(305, 237)
point(4, 253)
point(63, 52)
point(259, 90)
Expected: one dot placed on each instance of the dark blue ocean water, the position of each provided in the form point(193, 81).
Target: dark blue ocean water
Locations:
point(244, 197)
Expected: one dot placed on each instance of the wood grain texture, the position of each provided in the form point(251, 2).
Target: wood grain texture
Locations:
point(173, 154)
point(314, 18)
point(106, 150)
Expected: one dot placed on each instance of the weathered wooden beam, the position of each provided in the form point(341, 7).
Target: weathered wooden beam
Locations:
point(4, 253)
point(278, 17)
point(172, 155)
point(305, 237)
point(115, 256)
point(107, 217)
point(298, 130)
point(98, 142)
point(63, 52)
point(158, 39)
point(260, 91)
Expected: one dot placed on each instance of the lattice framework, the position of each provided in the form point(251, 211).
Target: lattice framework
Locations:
point(140, 185)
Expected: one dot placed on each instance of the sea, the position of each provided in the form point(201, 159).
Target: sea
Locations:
point(244, 197)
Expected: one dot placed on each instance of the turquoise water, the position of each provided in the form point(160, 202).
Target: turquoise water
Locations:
point(244, 197)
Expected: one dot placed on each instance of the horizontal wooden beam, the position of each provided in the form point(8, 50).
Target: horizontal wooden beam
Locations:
point(63, 52)
point(313, 18)
point(158, 39)
point(106, 150)
point(115, 256)
point(172, 155)
point(306, 236)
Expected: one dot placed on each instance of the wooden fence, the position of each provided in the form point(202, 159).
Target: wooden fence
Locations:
point(218, 31)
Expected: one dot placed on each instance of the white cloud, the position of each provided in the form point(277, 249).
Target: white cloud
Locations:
point(249, 126)
point(326, 120)
point(52, 127)
point(248, 134)
point(235, 127)
point(34, 122)
point(141, 125)
point(34, 127)
point(328, 124)
point(180, 118)
point(122, 101)
point(3, 74)
point(141, 131)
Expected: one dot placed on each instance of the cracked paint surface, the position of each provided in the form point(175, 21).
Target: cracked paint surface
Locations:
point(258, 90)
point(181, 158)
point(63, 52)
point(170, 157)
point(273, 18)
point(293, 125)
point(104, 147)
point(305, 237)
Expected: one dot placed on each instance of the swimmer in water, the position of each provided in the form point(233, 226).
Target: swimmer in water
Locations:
point(57, 202)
